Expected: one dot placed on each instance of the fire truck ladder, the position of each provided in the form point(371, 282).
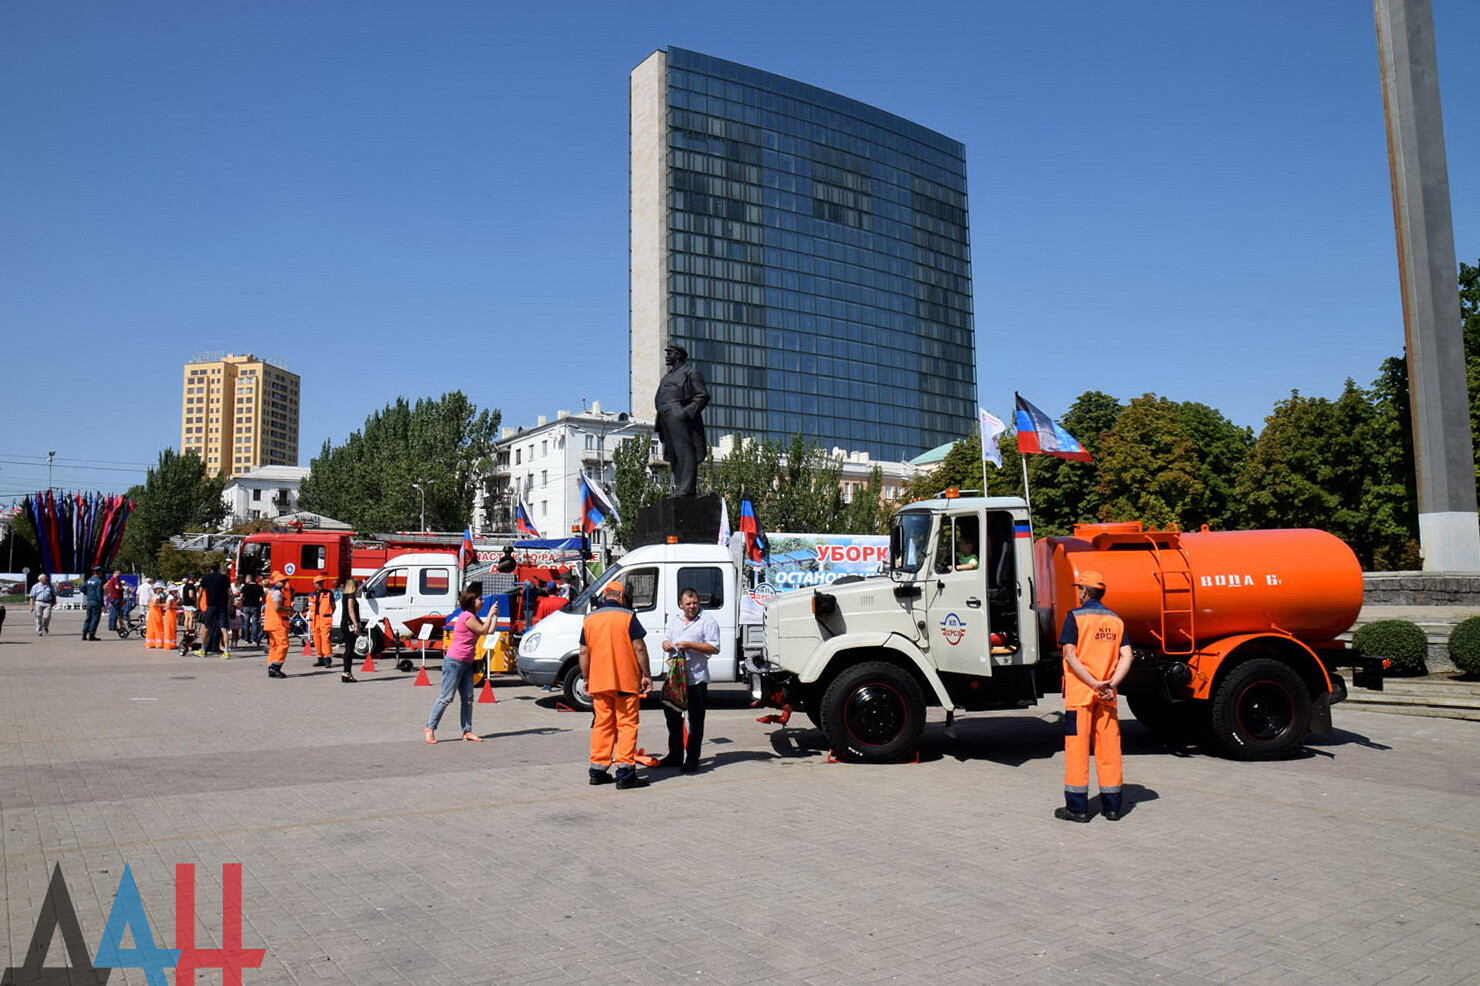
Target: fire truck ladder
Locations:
point(1178, 605)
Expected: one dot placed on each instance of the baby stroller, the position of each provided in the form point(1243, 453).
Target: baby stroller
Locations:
point(187, 636)
point(128, 623)
point(298, 626)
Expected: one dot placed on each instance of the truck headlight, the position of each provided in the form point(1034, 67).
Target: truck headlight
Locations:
point(530, 644)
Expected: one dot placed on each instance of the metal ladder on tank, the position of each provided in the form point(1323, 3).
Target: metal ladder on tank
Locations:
point(1178, 614)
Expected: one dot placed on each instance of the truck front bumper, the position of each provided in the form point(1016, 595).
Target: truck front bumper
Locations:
point(539, 671)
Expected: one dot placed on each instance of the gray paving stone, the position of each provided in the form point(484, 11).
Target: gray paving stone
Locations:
point(369, 857)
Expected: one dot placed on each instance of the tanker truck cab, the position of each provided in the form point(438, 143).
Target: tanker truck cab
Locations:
point(953, 626)
point(653, 577)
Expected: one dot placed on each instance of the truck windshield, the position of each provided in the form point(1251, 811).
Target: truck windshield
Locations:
point(256, 559)
point(582, 602)
point(909, 541)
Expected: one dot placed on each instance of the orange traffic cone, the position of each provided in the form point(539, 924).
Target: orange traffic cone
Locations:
point(422, 679)
point(485, 697)
point(307, 650)
point(369, 666)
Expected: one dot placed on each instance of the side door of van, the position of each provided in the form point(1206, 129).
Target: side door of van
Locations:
point(644, 586)
point(385, 597)
point(433, 591)
point(715, 585)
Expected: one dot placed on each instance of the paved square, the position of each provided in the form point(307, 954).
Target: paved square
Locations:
point(370, 857)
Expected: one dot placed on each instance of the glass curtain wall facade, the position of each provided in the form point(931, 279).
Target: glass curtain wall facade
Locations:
point(809, 251)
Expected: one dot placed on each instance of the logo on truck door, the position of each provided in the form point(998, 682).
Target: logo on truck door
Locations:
point(953, 629)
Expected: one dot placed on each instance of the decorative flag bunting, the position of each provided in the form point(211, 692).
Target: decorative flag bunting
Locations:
point(596, 506)
point(1037, 432)
point(992, 426)
point(523, 520)
point(757, 545)
point(77, 531)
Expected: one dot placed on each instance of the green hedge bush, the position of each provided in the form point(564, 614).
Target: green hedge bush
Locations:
point(1464, 646)
point(1400, 641)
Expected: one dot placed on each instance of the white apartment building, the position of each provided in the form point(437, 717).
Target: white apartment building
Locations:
point(540, 463)
point(267, 492)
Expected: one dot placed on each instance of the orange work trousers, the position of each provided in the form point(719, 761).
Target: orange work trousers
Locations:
point(1092, 727)
point(614, 729)
point(321, 637)
point(277, 645)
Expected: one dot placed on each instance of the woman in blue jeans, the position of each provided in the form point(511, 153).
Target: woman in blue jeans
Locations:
point(457, 666)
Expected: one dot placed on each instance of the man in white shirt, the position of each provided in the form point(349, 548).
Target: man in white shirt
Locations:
point(695, 634)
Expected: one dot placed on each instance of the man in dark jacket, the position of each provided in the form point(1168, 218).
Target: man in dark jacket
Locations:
point(682, 395)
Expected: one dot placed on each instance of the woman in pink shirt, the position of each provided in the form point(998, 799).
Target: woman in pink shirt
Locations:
point(457, 665)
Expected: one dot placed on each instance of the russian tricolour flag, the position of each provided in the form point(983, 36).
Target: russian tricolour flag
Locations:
point(1037, 432)
point(757, 546)
point(523, 522)
point(596, 506)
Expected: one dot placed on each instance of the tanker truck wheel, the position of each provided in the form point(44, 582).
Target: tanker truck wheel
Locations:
point(1261, 711)
point(873, 713)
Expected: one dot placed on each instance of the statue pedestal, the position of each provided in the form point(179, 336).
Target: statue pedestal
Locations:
point(693, 520)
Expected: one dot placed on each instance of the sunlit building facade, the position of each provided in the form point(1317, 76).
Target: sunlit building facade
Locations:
point(238, 413)
point(809, 251)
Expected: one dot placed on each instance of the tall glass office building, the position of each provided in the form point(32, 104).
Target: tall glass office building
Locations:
point(809, 251)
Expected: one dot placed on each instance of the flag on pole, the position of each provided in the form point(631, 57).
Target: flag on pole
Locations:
point(992, 426)
point(523, 521)
point(596, 506)
point(1037, 432)
point(467, 556)
point(724, 521)
point(757, 545)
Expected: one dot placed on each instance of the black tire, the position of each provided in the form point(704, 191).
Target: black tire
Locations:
point(873, 713)
point(809, 701)
point(1261, 711)
point(574, 686)
point(122, 630)
point(405, 665)
point(1177, 721)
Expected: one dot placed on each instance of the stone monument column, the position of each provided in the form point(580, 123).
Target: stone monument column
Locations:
point(1448, 524)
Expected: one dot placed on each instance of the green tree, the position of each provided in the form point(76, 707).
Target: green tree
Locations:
point(1469, 310)
point(636, 487)
point(444, 444)
point(1149, 468)
point(178, 495)
point(808, 496)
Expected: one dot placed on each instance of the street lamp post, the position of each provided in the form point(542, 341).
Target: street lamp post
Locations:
point(51, 454)
point(423, 491)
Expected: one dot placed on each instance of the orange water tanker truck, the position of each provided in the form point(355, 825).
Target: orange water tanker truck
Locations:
point(1234, 633)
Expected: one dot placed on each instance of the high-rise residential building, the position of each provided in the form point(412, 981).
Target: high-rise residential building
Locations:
point(809, 251)
point(238, 413)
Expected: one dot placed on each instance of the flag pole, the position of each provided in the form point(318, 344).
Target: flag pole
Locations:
point(1023, 460)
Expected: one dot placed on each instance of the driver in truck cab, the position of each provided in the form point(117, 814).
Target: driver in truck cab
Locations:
point(1096, 660)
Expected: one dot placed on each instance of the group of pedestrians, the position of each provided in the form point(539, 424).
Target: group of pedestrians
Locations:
point(614, 664)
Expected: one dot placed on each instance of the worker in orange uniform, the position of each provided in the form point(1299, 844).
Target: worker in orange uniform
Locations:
point(276, 611)
point(1096, 660)
point(614, 662)
point(154, 627)
point(320, 619)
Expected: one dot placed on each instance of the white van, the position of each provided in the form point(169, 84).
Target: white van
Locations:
point(423, 583)
point(654, 575)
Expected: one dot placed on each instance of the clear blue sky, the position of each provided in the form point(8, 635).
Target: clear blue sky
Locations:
point(403, 198)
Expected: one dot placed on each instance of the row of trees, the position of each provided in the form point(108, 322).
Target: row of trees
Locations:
point(1344, 465)
point(444, 445)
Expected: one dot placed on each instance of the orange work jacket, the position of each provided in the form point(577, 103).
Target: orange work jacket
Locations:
point(1096, 634)
point(614, 665)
